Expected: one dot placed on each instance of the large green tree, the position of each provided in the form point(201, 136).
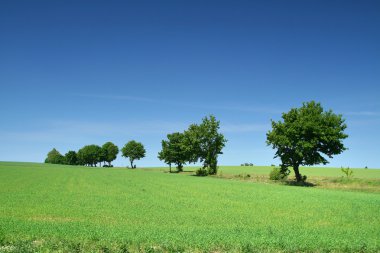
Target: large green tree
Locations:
point(174, 150)
point(55, 157)
point(134, 151)
point(110, 152)
point(205, 143)
point(71, 158)
point(90, 155)
point(306, 135)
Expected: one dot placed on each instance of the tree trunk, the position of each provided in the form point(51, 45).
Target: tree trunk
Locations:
point(170, 167)
point(297, 172)
point(109, 164)
point(179, 167)
point(131, 163)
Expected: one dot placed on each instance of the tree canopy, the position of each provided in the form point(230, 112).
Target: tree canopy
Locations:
point(110, 152)
point(90, 155)
point(71, 158)
point(199, 143)
point(134, 151)
point(206, 143)
point(174, 150)
point(54, 157)
point(305, 135)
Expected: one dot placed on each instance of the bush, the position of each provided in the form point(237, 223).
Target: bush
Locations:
point(278, 174)
point(243, 176)
point(201, 172)
point(348, 172)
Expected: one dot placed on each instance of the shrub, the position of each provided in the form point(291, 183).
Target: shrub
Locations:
point(278, 174)
point(348, 172)
point(201, 172)
point(243, 176)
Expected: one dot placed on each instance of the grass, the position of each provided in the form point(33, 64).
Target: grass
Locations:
point(77, 209)
point(364, 180)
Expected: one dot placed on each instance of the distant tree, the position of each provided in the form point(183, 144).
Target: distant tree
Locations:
point(205, 143)
point(90, 155)
point(305, 134)
point(174, 150)
point(71, 158)
point(110, 152)
point(54, 157)
point(134, 151)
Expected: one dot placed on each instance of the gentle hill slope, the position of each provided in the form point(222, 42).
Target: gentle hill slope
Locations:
point(77, 208)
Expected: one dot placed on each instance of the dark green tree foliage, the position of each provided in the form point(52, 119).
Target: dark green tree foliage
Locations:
point(71, 158)
point(205, 143)
point(109, 152)
point(305, 135)
point(54, 157)
point(134, 151)
point(174, 150)
point(90, 155)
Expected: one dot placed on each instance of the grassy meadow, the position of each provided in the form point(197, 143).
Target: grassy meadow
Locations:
point(79, 209)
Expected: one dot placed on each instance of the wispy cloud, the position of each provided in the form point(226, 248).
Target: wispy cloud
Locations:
point(72, 131)
point(258, 109)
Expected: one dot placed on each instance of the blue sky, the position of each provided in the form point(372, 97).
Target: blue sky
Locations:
point(85, 72)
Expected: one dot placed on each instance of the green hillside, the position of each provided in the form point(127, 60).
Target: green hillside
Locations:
point(66, 208)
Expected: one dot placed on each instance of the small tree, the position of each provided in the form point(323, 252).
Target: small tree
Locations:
point(54, 157)
point(205, 143)
point(71, 158)
point(174, 150)
point(110, 152)
point(134, 151)
point(347, 171)
point(305, 135)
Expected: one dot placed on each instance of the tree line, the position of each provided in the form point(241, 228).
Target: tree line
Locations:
point(305, 136)
point(93, 155)
point(199, 143)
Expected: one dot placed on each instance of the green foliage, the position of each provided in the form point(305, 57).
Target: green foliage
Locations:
point(201, 172)
point(305, 135)
point(90, 155)
point(134, 151)
point(243, 176)
point(347, 172)
point(110, 152)
point(55, 157)
point(279, 173)
point(174, 150)
point(59, 208)
point(71, 158)
point(205, 143)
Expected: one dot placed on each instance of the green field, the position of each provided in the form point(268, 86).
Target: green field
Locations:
point(73, 209)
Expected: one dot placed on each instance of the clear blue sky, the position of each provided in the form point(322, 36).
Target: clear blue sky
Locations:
point(85, 72)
